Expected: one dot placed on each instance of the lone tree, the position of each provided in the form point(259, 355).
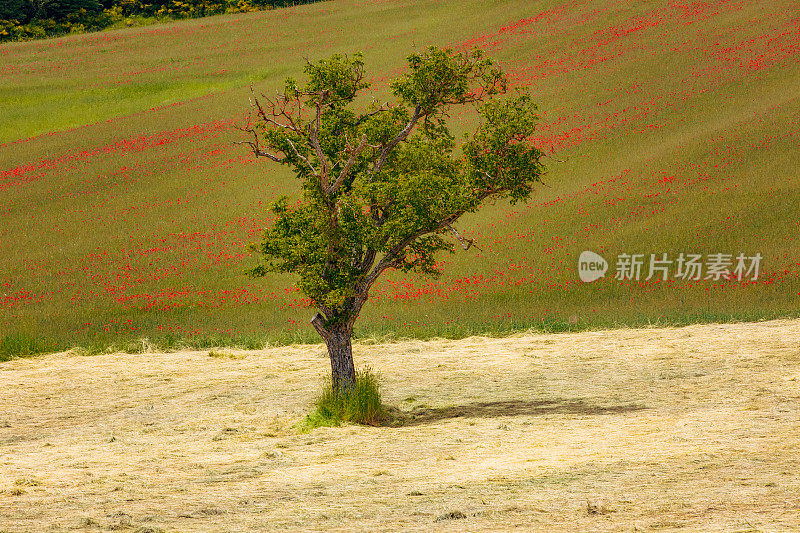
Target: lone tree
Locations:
point(383, 184)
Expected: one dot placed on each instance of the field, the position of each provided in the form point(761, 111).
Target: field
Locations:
point(673, 126)
point(691, 429)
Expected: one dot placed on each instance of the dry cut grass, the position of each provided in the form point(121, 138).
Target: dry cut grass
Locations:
point(695, 429)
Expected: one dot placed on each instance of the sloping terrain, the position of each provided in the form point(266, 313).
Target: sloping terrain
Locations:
point(687, 429)
point(126, 210)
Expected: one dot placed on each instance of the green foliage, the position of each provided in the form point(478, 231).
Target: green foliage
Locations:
point(12, 30)
point(359, 404)
point(65, 9)
point(14, 10)
point(383, 186)
point(24, 20)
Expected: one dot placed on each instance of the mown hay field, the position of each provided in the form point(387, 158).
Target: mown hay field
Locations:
point(672, 429)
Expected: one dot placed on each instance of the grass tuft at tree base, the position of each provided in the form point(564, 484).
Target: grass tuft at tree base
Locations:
point(360, 404)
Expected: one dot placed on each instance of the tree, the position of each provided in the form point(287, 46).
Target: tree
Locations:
point(62, 9)
point(383, 186)
point(14, 10)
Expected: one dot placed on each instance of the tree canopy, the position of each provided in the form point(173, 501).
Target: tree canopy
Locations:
point(36, 19)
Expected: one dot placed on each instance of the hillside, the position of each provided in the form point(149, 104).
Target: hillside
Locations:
point(692, 429)
point(126, 210)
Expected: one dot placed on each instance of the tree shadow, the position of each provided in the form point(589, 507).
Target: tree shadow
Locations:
point(421, 416)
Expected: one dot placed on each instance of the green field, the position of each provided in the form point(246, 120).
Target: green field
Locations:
point(125, 208)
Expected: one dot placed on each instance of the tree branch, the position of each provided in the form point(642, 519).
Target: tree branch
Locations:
point(400, 137)
point(282, 112)
point(371, 114)
point(254, 145)
point(318, 321)
point(313, 170)
point(255, 103)
point(343, 174)
point(465, 243)
point(313, 138)
point(391, 256)
point(389, 259)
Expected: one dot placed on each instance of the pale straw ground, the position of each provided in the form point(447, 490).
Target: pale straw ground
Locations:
point(694, 429)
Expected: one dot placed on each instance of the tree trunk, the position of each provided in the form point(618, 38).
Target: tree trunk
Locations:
point(338, 339)
point(340, 350)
